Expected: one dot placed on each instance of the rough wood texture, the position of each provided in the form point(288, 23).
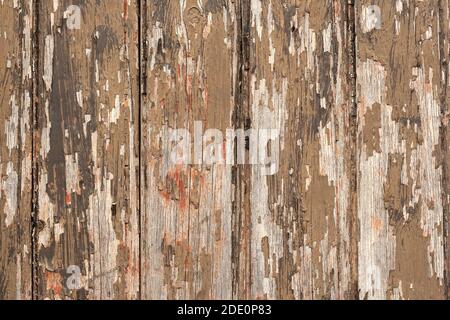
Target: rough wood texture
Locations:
point(354, 93)
point(15, 148)
point(190, 65)
point(444, 47)
point(400, 171)
point(301, 241)
point(88, 155)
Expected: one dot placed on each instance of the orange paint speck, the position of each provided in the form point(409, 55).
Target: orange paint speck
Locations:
point(377, 224)
point(165, 195)
point(224, 150)
point(68, 199)
point(176, 176)
point(54, 282)
point(178, 72)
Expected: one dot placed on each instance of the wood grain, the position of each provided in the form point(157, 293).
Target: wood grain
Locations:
point(343, 194)
point(301, 218)
point(400, 171)
point(88, 154)
point(190, 76)
point(16, 29)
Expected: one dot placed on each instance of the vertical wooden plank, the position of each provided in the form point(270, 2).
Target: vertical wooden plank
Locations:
point(401, 246)
point(88, 148)
point(444, 56)
point(241, 219)
point(15, 148)
point(301, 216)
point(190, 66)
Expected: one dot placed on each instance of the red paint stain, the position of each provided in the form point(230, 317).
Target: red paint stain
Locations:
point(224, 150)
point(176, 177)
point(68, 199)
point(125, 9)
point(178, 72)
point(53, 282)
point(166, 197)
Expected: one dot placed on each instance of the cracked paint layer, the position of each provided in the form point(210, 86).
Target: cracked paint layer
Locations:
point(356, 206)
point(15, 149)
point(190, 75)
point(300, 232)
point(400, 171)
point(88, 181)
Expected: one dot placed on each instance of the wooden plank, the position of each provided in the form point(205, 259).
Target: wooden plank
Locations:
point(88, 148)
point(444, 55)
point(241, 174)
point(190, 73)
point(15, 148)
point(302, 216)
point(348, 100)
point(400, 172)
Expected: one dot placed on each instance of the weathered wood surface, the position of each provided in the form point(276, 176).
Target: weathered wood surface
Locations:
point(301, 240)
point(356, 206)
point(87, 150)
point(16, 87)
point(400, 78)
point(190, 73)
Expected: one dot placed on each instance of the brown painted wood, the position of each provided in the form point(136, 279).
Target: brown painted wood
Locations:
point(190, 77)
point(16, 29)
point(354, 93)
point(302, 217)
point(400, 152)
point(444, 100)
point(444, 35)
point(88, 159)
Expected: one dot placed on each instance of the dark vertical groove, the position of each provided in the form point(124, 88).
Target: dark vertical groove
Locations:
point(443, 137)
point(34, 149)
point(246, 170)
point(142, 47)
point(235, 169)
point(139, 142)
point(241, 118)
point(352, 77)
point(140, 3)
